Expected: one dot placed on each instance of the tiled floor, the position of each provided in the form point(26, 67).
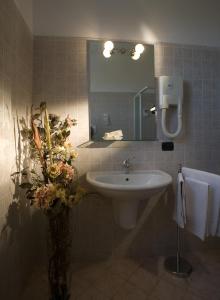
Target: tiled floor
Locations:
point(126, 279)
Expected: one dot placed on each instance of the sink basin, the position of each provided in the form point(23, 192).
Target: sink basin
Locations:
point(126, 190)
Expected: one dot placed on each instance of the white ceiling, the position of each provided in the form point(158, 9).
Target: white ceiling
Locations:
point(185, 21)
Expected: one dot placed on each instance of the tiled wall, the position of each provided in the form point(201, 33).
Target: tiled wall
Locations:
point(16, 49)
point(60, 79)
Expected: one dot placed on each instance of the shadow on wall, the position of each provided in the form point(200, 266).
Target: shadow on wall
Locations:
point(22, 237)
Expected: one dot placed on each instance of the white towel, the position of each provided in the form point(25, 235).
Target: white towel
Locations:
point(180, 208)
point(113, 135)
point(197, 206)
point(214, 181)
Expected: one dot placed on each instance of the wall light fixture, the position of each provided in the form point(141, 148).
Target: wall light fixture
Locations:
point(134, 53)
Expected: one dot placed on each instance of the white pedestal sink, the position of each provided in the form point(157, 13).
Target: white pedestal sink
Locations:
point(126, 190)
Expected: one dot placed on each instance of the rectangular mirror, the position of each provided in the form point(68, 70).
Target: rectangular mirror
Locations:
point(122, 96)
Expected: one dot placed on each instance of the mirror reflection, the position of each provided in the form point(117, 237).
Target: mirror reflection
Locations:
point(122, 97)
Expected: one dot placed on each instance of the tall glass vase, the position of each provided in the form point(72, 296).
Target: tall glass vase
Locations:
point(59, 249)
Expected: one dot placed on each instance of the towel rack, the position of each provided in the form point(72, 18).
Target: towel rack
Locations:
point(177, 265)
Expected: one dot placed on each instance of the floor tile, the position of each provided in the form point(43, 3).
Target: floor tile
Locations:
point(174, 280)
point(154, 265)
point(92, 272)
point(191, 296)
point(129, 292)
point(167, 291)
point(143, 280)
point(78, 287)
point(205, 283)
point(92, 294)
point(123, 267)
point(109, 284)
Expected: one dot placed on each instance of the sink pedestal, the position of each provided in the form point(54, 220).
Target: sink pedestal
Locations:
point(125, 212)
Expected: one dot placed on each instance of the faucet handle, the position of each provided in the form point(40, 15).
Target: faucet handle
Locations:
point(126, 163)
point(128, 160)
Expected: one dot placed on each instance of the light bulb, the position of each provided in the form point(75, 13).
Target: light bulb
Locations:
point(109, 46)
point(135, 56)
point(107, 53)
point(139, 48)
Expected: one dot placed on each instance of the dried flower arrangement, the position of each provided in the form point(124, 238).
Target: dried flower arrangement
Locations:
point(52, 185)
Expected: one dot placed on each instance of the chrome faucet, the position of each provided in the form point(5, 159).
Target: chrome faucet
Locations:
point(126, 165)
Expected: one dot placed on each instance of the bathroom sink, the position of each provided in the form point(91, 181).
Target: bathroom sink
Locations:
point(140, 184)
point(126, 190)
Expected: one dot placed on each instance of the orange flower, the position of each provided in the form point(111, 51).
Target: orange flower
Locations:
point(68, 172)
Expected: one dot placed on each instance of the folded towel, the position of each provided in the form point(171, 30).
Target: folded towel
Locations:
point(113, 135)
point(180, 208)
point(197, 206)
point(214, 182)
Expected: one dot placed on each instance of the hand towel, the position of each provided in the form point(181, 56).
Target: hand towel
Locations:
point(180, 209)
point(197, 206)
point(214, 182)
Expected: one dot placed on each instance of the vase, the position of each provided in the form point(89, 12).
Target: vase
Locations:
point(59, 249)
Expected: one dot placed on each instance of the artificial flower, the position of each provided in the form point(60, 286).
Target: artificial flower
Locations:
point(50, 182)
point(54, 170)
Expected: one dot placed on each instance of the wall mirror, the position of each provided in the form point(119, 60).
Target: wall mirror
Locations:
point(122, 96)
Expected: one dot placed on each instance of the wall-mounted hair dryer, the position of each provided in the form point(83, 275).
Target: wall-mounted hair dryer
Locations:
point(170, 94)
